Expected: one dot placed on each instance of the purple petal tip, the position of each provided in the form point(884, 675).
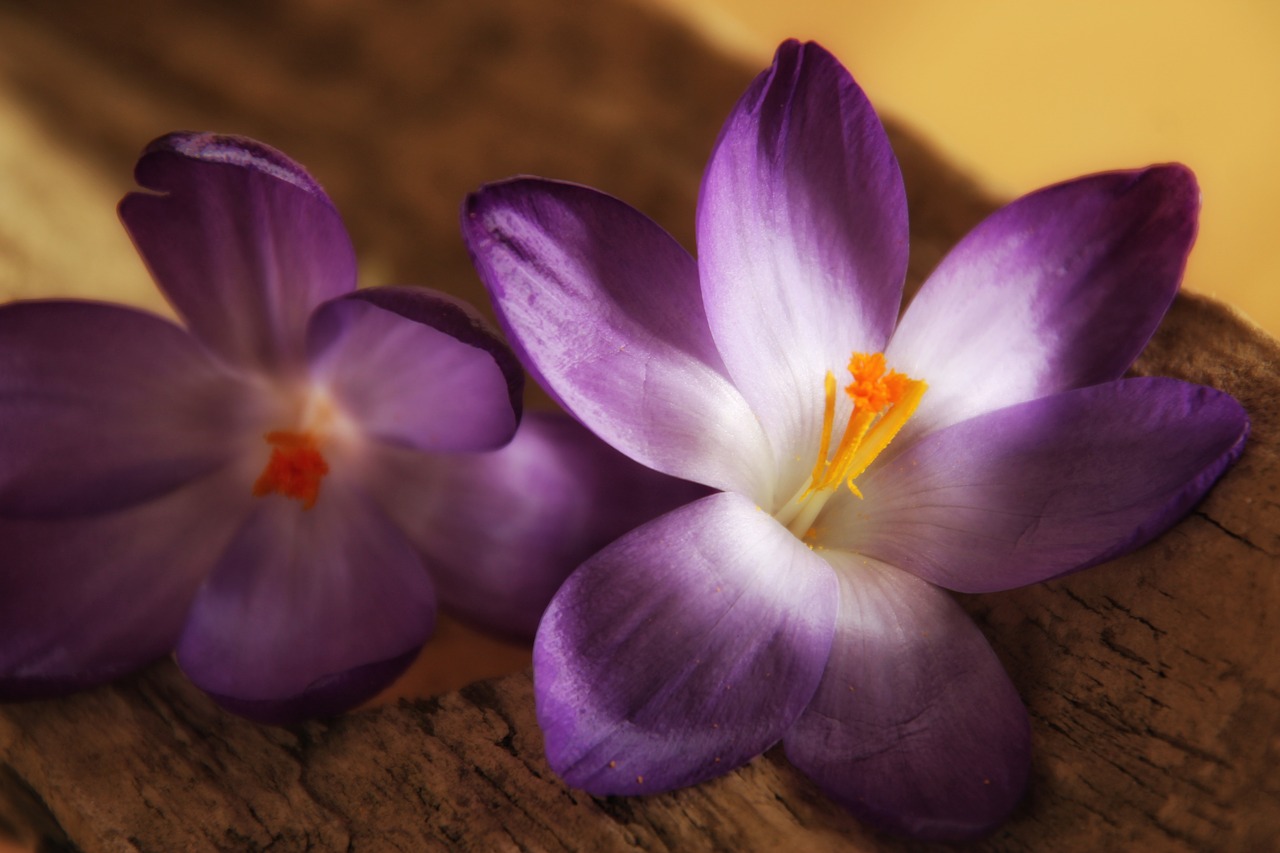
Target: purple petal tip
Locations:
point(231, 150)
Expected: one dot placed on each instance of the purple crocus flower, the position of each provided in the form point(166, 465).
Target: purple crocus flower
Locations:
point(283, 490)
point(865, 464)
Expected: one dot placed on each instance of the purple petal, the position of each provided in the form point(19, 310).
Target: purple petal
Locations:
point(308, 612)
point(501, 531)
point(1036, 490)
point(802, 239)
point(683, 650)
point(394, 364)
point(102, 407)
point(242, 241)
point(915, 727)
point(84, 600)
point(1058, 290)
point(455, 318)
point(605, 309)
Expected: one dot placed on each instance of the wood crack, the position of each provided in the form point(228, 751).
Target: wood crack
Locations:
point(1243, 540)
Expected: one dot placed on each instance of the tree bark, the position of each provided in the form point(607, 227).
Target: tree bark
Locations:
point(1153, 681)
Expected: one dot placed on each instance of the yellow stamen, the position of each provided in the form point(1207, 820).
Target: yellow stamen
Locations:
point(886, 429)
point(828, 421)
point(883, 401)
point(854, 433)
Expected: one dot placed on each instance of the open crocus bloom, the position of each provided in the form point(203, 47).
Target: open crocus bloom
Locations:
point(986, 442)
point(282, 490)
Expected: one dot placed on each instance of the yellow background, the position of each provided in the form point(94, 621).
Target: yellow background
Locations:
point(1024, 94)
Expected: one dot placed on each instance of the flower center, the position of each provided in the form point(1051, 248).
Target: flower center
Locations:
point(883, 401)
point(297, 464)
point(295, 468)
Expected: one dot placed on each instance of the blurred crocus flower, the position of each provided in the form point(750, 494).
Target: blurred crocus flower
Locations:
point(866, 464)
point(283, 490)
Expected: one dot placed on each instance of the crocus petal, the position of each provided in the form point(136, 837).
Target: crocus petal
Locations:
point(102, 407)
point(1036, 490)
point(242, 241)
point(1058, 290)
point(802, 239)
point(605, 308)
point(417, 369)
point(502, 530)
point(88, 599)
point(308, 611)
point(915, 727)
point(683, 650)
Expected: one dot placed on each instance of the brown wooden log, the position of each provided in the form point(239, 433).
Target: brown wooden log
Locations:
point(1153, 682)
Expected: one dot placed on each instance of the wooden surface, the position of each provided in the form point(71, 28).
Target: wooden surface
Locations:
point(1153, 682)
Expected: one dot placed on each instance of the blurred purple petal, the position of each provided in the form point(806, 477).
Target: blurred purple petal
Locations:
point(915, 727)
point(501, 531)
point(103, 406)
point(1036, 490)
point(683, 650)
point(241, 240)
point(456, 319)
point(404, 381)
point(151, 475)
point(1058, 290)
point(802, 239)
point(239, 151)
point(610, 320)
point(308, 612)
point(89, 599)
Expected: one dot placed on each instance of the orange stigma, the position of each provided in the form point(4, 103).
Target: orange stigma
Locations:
point(883, 401)
point(871, 390)
point(295, 468)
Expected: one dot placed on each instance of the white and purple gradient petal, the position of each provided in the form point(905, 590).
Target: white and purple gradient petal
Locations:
point(91, 598)
point(103, 407)
point(1034, 491)
point(408, 383)
point(501, 531)
point(1027, 458)
point(1058, 290)
point(308, 612)
point(683, 650)
point(915, 727)
point(802, 242)
point(242, 241)
point(605, 308)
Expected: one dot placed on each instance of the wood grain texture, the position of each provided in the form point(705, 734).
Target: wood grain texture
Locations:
point(1153, 681)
